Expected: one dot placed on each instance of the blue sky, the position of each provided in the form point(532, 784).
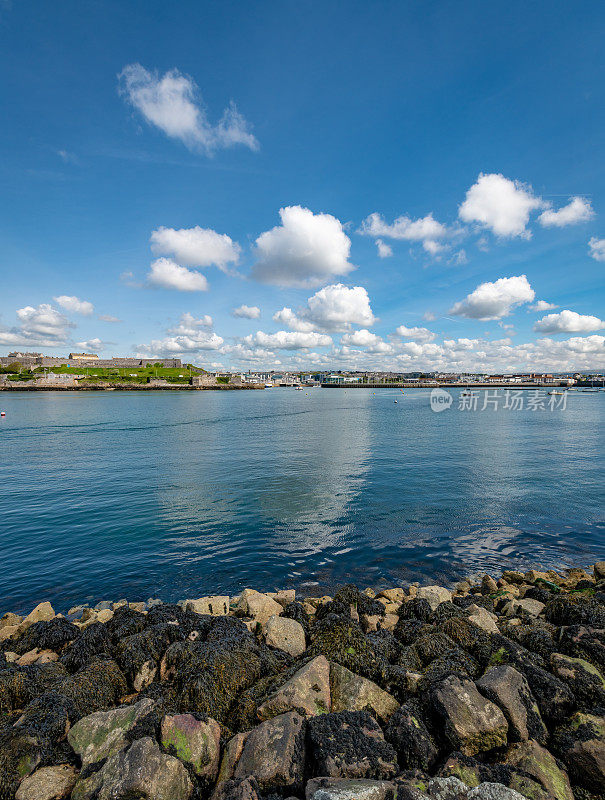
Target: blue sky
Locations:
point(401, 185)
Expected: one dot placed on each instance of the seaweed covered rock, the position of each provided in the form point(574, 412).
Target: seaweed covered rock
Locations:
point(104, 733)
point(584, 679)
point(16, 689)
point(583, 642)
point(566, 609)
point(413, 742)
point(48, 717)
point(472, 723)
point(125, 622)
point(53, 635)
point(350, 602)
point(142, 771)
point(416, 608)
point(20, 754)
point(274, 753)
point(139, 655)
point(581, 745)
point(508, 689)
point(352, 692)
point(208, 676)
point(97, 686)
point(349, 744)
point(188, 621)
point(342, 641)
point(92, 641)
point(307, 692)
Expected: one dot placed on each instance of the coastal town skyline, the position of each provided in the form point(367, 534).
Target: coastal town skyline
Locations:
point(378, 214)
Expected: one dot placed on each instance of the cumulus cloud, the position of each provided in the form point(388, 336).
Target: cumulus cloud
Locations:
point(542, 305)
point(577, 210)
point(286, 316)
point(568, 322)
point(307, 249)
point(337, 307)
point(92, 345)
point(502, 205)
point(597, 249)
point(288, 340)
point(40, 325)
point(171, 102)
point(495, 300)
point(384, 250)
point(425, 229)
point(416, 333)
point(367, 339)
point(246, 312)
point(168, 274)
point(74, 304)
point(190, 335)
point(195, 247)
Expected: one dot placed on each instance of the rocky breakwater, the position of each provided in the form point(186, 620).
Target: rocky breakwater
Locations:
point(492, 691)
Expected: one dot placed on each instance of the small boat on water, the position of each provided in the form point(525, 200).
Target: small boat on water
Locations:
point(554, 391)
point(268, 386)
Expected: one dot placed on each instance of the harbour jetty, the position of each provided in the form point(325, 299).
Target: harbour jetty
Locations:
point(490, 690)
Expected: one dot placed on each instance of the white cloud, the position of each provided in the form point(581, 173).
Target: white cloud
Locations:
point(42, 326)
point(418, 334)
point(425, 229)
point(109, 318)
point(307, 249)
point(429, 316)
point(91, 345)
point(568, 322)
point(384, 250)
point(190, 325)
point(75, 305)
point(577, 210)
point(286, 316)
point(495, 300)
point(597, 248)
point(542, 305)
point(195, 247)
point(502, 205)
point(337, 307)
point(246, 312)
point(169, 275)
point(171, 102)
point(364, 338)
point(288, 340)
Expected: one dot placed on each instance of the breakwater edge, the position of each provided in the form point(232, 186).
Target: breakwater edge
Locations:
point(493, 689)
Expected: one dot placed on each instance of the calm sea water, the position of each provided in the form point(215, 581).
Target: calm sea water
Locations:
point(178, 494)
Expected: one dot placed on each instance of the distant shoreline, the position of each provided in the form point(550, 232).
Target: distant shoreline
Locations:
point(25, 386)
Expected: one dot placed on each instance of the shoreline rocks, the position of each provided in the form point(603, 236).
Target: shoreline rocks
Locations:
point(494, 690)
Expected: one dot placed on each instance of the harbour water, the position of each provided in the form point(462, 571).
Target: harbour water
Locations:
point(179, 494)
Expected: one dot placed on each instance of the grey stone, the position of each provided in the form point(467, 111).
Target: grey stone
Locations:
point(274, 753)
point(142, 771)
point(102, 734)
point(307, 691)
point(195, 742)
point(286, 634)
point(534, 760)
point(509, 689)
point(493, 791)
point(473, 724)
point(434, 595)
point(450, 788)
point(343, 789)
point(351, 692)
point(482, 618)
point(48, 783)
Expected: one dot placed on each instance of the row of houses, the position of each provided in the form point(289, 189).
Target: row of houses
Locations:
point(33, 360)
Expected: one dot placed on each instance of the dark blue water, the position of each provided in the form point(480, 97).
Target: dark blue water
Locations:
point(178, 494)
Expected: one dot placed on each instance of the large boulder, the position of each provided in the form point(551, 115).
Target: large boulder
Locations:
point(473, 724)
point(274, 753)
point(434, 595)
point(536, 762)
point(259, 606)
point(349, 789)
point(285, 634)
point(48, 783)
point(508, 689)
point(349, 744)
point(352, 692)
point(103, 734)
point(307, 692)
point(584, 679)
point(142, 771)
point(195, 742)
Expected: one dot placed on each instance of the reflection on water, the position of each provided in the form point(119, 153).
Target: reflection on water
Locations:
point(179, 494)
